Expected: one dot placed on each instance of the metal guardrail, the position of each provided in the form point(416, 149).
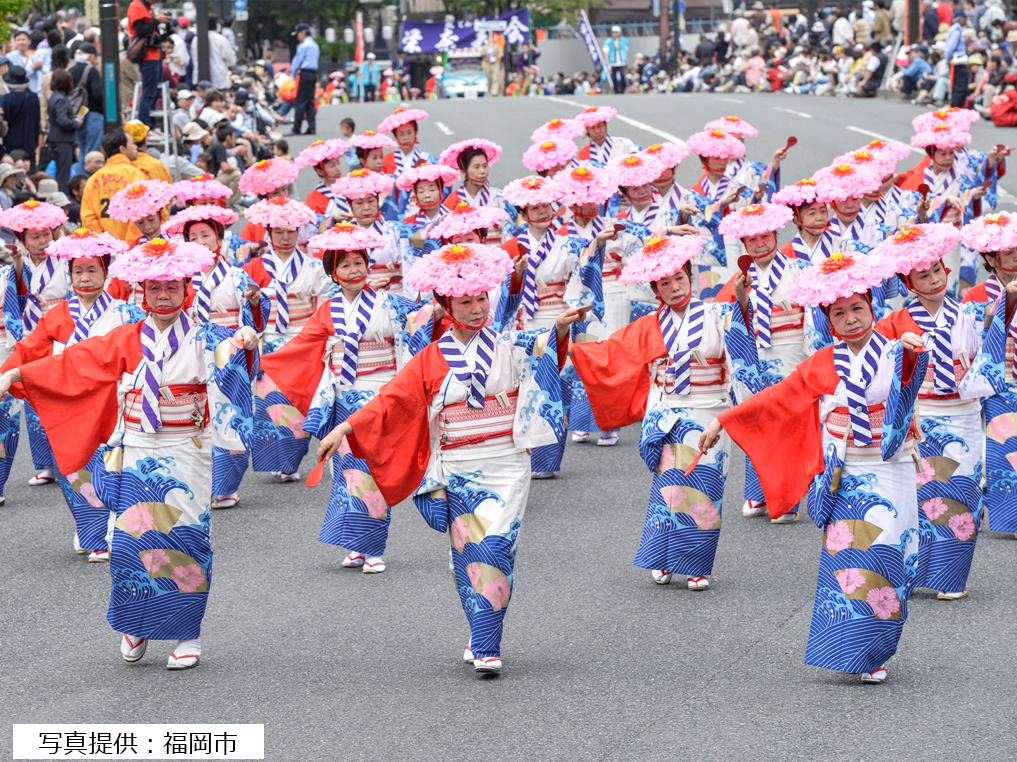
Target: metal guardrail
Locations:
point(632, 29)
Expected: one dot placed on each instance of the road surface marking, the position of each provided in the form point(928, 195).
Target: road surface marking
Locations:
point(732, 100)
point(443, 128)
point(802, 114)
point(640, 125)
point(882, 137)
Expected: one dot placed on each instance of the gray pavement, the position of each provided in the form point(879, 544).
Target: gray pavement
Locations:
point(601, 664)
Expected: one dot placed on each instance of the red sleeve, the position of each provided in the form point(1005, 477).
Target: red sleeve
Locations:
point(779, 429)
point(252, 232)
point(119, 289)
point(256, 269)
point(452, 200)
point(584, 153)
point(914, 177)
point(896, 324)
point(75, 393)
point(563, 230)
point(976, 293)
point(296, 368)
point(316, 201)
point(388, 166)
point(727, 293)
point(615, 372)
point(56, 325)
point(392, 431)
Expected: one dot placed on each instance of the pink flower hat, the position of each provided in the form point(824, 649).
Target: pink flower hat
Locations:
point(595, 115)
point(755, 219)
point(372, 139)
point(917, 247)
point(668, 154)
point(345, 236)
point(280, 214)
point(734, 126)
point(400, 117)
point(362, 183)
point(853, 180)
point(84, 244)
point(463, 219)
point(450, 156)
point(991, 233)
point(461, 269)
point(661, 258)
point(428, 173)
point(715, 144)
point(587, 185)
point(200, 188)
point(839, 276)
point(140, 200)
point(267, 176)
point(557, 129)
point(549, 154)
point(319, 152)
point(532, 190)
point(208, 213)
point(635, 169)
point(160, 259)
point(808, 191)
point(32, 215)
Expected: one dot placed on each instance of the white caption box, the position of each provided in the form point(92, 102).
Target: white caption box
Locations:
point(153, 742)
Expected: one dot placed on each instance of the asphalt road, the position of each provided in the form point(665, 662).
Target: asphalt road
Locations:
point(601, 664)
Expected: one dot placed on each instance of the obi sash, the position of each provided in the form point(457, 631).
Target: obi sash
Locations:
point(182, 407)
point(372, 356)
point(489, 427)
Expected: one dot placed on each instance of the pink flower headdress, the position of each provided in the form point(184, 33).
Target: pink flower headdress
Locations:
point(661, 258)
point(461, 269)
point(345, 236)
point(450, 156)
point(853, 180)
point(941, 136)
point(200, 187)
point(889, 151)
point(733, 125)
point(400, 117)
point(595, 115)
point(372, 139)
point(32, 215)
point(991, 233)
point(755, 219)
point(557, 129)
point(140, 200)
point(865, 159)
point(463, 219)
point(715, 144)
point(428, 173)
point(206, 213)
point(362, 183)
point(839, 276)
point(668, 154)
point(634, 170)
point(84, 243)
point(808, 191)
point(917, 247)
point(532, 190)
point(280, 214)
point(160, 259)
point(320, 151)
point(586, 185)
point(960, 118)
point(267, 176)
point(549, 154)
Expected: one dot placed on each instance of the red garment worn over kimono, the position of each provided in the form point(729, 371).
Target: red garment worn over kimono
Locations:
point(392, 432)
point(912, 178)
point(896, 324)
point(315, 200)
point(615, 372)
point(254, 233)
point(975, 294)
point(55, 325)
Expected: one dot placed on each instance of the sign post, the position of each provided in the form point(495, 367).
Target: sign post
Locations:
point(109, 27)
point(360, 37)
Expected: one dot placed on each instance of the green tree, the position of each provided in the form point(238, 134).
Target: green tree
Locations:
point(11, 11)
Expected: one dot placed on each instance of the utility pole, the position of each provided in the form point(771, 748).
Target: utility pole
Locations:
point(913, 32)
point(203, 67)
point(109, 26)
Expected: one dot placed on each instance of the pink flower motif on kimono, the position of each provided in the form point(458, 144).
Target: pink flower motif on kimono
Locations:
point(705, 514)
point(375, 503)
point(498, 592)
point(883, 601)
point(154, 560)
point(138, 519)
point(473, 572)
point(1001, 428)
point(666, 460)
point(673, 496)
point(188, 578)
point(88, 492)
point(460, 534)
point(281, 416)
point(850, 580)
point(963, 526)
point(354, 478)
point(934, 508)
point(927, 474)
point(839, 537)
point(71, 478)
point(264, 385)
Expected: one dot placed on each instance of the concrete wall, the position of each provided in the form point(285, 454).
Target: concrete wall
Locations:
point(570, 56)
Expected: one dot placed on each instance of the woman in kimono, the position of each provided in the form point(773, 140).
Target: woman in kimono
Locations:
point(671, 369)
point(205, 190)
point(742, 170)
point(296, 283)
point(270, 178)
point(325, 157)
point(842, 421)
point(369, 148)
point(473, 159)
point(994, 236)
point(602, 148)
point(785, 333)
point(364, 190)
point(949, 408)
point(354, 345)
point(851, 230)
point(453, 427)
point(426, 184)
point(41, 283)
point(162, 394)
point(672, 195)
point(225, 295)
point(889, 207)
point(88, 311)
point(404, 123)
point(146, 204)
point(808, 200)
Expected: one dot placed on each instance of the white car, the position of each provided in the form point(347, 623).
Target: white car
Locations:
point(464, 77)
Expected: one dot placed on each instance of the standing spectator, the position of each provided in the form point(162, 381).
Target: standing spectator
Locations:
point(227, 32)
point(304, 67)
point(705, 51)
point(930, 23)
point(369, 78)
point(85, 73)
point(759, 17)
point(63, 127)
point(60, 59)
point(525, 61)
point(616, 48)
point(776, 17)
point(187, 35)
point(860, 29)
point(141, 23)
point(742, 33)
point(882, 29)
point(956, 53)
point(492, 66)
point(179, 58)
point(22, 111)
point(221, 55)
point(31, 62)
point(841, 30)
point(898, 15)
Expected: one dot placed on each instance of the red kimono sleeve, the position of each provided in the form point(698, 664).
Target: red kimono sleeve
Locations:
point(119, 289)
point(256, 269)
point(392, 432)
point(896, 324)
point(316, 201)
point(914, 177)
point(296, 368)
point(615, 372)
point(779, 429)
point(252, 232)
point(75, 393)
point(975, 294)
point(56, 325)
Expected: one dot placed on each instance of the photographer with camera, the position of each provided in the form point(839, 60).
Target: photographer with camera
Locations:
point(145, 48)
